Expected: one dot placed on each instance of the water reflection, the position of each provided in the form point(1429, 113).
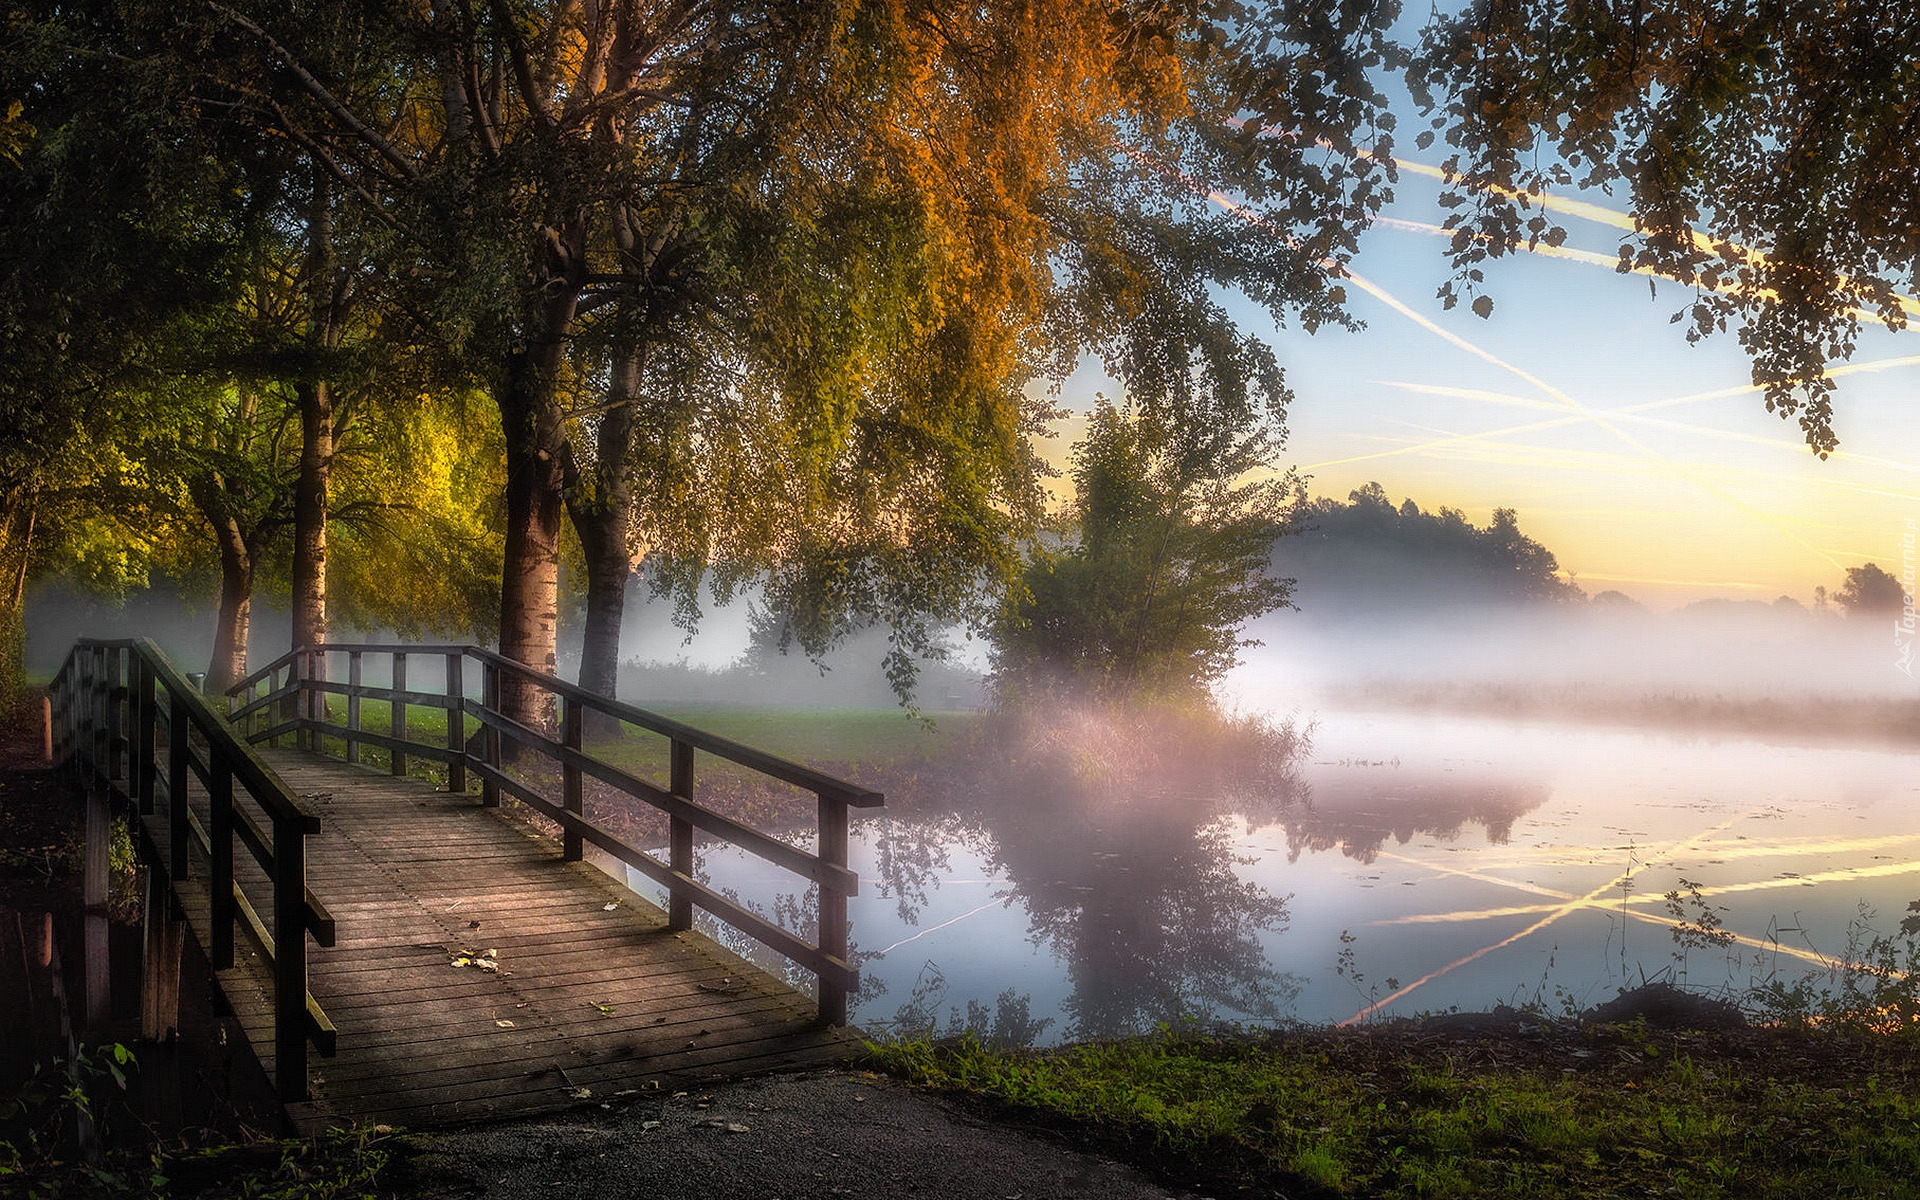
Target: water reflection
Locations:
point(1359, 806)
point(1482, 861)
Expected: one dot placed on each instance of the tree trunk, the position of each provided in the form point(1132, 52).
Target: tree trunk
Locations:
point(535, 431)
point(229, 663)
point(602, 513)
point(316, 429)
point(310, 516)
point(17, 509)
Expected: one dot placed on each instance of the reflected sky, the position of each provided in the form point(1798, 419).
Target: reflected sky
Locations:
point(1468, 861)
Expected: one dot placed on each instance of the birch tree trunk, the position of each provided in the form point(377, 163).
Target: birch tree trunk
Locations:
point(536, 438)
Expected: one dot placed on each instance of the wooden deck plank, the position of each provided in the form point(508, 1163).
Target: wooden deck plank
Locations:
point(602, 998)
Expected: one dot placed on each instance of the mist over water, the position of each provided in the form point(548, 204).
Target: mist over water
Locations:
point(1493, 802)
point(1492, 809)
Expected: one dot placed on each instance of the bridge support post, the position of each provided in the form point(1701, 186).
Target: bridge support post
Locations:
point(490, 737)
point(680, 836)
point(572, 847)
point(353, 706)
point(456, 725)
point(163, 942)
point(145, 716)
point(220, 870)
point(94, 995)
point(179, 852)
point(833, 908)
point(399, 724)
point(289, 960)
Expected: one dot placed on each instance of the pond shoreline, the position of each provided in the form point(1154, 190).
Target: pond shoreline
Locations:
point(1802, 721)
point(1670, 1097)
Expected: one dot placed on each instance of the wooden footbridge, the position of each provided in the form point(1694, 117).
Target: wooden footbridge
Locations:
point(445, 959)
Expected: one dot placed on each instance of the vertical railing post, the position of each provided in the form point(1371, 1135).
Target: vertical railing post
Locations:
point(220, 870)
point(490, 702)
point(290, 703)
point(833, 908)
point(456, 724)
point(179, 854)
point(145, 716)
point(97, 712)
point(289, 959)
point(123, 719)
point(399, 724)
point(115, 697)
point(313, 701)
point(572, 847)
point(680, 835)
point(353, 706)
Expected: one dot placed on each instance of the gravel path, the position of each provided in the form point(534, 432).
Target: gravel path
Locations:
point(823, 1136)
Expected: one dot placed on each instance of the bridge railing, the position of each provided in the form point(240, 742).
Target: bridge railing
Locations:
point(288, 697)
point(129, 723)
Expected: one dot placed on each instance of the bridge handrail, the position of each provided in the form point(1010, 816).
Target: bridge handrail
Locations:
point(296, 705)
point(107, 714)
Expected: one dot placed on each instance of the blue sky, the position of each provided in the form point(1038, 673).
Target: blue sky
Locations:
point(1710, 497)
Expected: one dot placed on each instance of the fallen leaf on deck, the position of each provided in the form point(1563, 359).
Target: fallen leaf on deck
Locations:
point(610, 907)
point(504, 1024)
point(581, 1093)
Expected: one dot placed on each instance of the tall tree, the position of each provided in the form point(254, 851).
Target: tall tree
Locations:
point(114, 255)
point(870, 225)
point(1770, 150)
point(1164, 559)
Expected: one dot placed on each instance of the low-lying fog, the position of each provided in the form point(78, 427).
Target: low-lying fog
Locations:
point(1496, 800)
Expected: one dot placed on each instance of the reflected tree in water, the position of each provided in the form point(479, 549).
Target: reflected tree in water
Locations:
point(1361, 808)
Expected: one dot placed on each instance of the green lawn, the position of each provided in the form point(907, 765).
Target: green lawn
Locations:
point(833, 740)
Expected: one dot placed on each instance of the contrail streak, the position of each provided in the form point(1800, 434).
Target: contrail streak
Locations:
point(1612, 263)
point(1880, 364)
point(1731, 251)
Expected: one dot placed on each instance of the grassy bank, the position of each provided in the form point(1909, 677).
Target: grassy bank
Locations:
point(818, 737)
point(1534, 1110)
point(1792, 720)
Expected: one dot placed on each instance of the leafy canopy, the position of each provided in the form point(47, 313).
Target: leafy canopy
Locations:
point(1767, 147)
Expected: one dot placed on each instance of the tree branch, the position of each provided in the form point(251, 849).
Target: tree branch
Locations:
point(320, 92)
point(522, 67)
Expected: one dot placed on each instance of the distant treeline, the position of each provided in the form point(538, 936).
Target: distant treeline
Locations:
point(1367, 555)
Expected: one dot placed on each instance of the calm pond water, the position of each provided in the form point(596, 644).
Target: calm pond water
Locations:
point(1441, 861)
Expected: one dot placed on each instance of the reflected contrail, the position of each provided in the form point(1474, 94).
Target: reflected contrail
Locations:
point(942, 925)
point(1557, 912)
point(1838, 875)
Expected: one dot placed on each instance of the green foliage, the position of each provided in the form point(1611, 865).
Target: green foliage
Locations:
point(1758, 145)
point(38, 1117)
point(1163, 559)
point(1872, 985)
point(1335, 1115)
